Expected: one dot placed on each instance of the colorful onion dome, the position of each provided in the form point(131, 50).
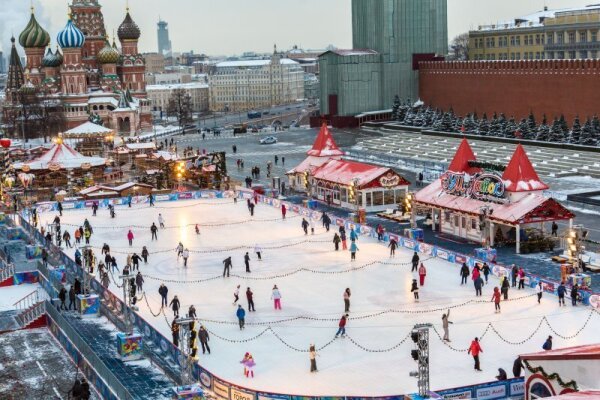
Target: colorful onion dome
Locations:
point(28, 88)
point(59, 55)
point(70, 36)
point(34, 35)
point(108, 55)
point(50, 60)
point(128, 30)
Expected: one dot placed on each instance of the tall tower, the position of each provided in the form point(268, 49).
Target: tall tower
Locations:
point(164, 43)
point(34, 40)
point(16, 77)
point(132, 69)
point(73, 70)
point(87, 16)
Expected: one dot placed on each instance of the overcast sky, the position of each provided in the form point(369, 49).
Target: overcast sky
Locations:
point(226, 27)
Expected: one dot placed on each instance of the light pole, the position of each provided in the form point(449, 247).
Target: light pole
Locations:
point(420, 337)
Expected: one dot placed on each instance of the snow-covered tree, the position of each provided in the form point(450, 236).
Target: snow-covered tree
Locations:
point(587, 137)
point(510, 128)
point(557, 134)
point(575, 135)
point(531, 122)
point(484, 126)
point(495, 128)
point(523, 131)
point(543, 131)
point(396, 108)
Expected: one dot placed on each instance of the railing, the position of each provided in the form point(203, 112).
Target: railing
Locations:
point(88, 354)
point(6, 271)
point(30, 300)
point(31, 314)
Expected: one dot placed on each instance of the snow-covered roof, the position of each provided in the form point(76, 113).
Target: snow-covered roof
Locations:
point(88, 128)
point(309, 164)
point(585, 352)
point(63, 156)
point(252, 63)
point(141, 146)
point(103, 100)
point(519, 175)
point(173, 86)
point(535, 19)
point(346, 172)
point(352, 52)
point(165, 155)
point(130, 185)
point(324, 145)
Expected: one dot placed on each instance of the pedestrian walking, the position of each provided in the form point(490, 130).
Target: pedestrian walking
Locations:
point(276, 297)
point(505, 286)
point(154, 231)
point(548, 344)
point(185, 255)
point(539, 291)
point(422, 274)
point(163, 291)
point(561, 291)
point(415, 289)
point(241, 315)
point(247, 262)
point(342, 326)
point(139, 281)
point(336, 241)
point(72, 301)
point(250, 298)
point(227, 266)
point(353, 250)
point(129, 238)
point(496, 299)
point(312, 355)
point(474, 350)
point(204, 338)
point(62, 296)
point(393, 245)
point(445, 322)
point(347, 295)
point(415, 261)
point(258, 252)
point(175, 306)
point(305, 226)
point(521, 274)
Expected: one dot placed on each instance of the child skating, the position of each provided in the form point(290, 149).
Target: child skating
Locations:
point(248, 363)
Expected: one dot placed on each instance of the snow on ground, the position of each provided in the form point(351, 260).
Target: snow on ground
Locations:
point(383, 309)
point(9, 295)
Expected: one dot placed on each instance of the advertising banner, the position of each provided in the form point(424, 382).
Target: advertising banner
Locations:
point(221, 389)
point(492, 392)
point(240, 394)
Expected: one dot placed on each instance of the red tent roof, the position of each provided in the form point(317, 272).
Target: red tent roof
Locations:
point(460, 162)
point(583, 352)
point(345, 172)
point(583, 395)
point(519, 175)
point(325, 145)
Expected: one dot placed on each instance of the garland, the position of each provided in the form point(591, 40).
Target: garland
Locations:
point(487, 165)
point(554, 376)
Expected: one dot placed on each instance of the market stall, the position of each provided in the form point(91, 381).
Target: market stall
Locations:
point(92, 139)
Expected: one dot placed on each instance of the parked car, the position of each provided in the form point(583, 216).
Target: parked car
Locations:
point(269, 140)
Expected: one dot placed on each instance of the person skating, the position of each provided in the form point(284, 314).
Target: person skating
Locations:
point(415, 289)
point(326, 221)
point(547, 344)
point(161, 221)
point(175, 333)
point(179, 250)
point(393, 245)
point(514, 273)
point(151, 200)
point(154, 231)
point(475, 274)
point(305, 226)
point(380, 232)
point(62, 296)
point(521, 278)
point(105, 280)
point(505, 286)
point(251, 208)
point(185, 255)
point(539, 291)
point(145, 254)
point(248, 363)
point(135, 259)
point(227, 266)
point(236, 295)
point(163, 291)
point(125, 270)
point(336, 241)
point(517, 367)
point(247, 262)
point(283, 211)
point(175, 306)
point(250, 298)
point(197, 229)
point(204, 338)
point(346, 296)
point(343, 237)
point(59, 207)
point(311, 221)
point(501, 375)
point(478, 283)
point(258, 252)
point(353, 249)
point(474, 350)
point(72, 298)
point(574, 293)
point(353, 235)
point(415, 262)
point(486, 271)
point(241, 315)
point(191, 312)
point(87, 234)
point(276, 297)
point(422, 274)
point(445, 322)
point(312, 355)
point(342, 326)
point(496, 299)
point(561, 291)
point(67, 239)
point(77, 235)
point(129, 237)
point(139, 281)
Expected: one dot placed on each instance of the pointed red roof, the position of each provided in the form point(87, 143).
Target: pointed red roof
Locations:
point(325, 145)
point(460, 162)
point(519, 175)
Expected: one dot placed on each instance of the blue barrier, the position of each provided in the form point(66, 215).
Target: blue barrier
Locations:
point(488, 391)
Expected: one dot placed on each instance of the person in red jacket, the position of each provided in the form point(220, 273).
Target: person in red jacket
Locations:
point(422, 274)
point(283, 211)
point(130, 237)
point(474, 350)
point(342, 326)
point(496, 299)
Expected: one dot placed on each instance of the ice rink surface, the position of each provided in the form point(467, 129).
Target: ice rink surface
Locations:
point(374, 359)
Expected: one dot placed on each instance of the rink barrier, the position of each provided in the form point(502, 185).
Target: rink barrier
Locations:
point(222, 388)
point(489, 391)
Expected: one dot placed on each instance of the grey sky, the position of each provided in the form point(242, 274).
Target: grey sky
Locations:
point(233, 26)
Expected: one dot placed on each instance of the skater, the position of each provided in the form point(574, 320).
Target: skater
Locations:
point(139, 281)
point(282, 160)
point(151, 200)
point(185, 255)
point(464, 274)
point(161, 221)
point(574, 292)
point(353, 235)
point(326, 221)
point(312, 355)
point(276, 297)
point(445, 322)
point(393, 245)
point(192, 312)
point(72, 301)
point(561, 290)
point(521, 278)
point(163, 291)
point(347, 295)
point(548, 344)
point(336, 241)
point(241, 315)
point(474, 350)
point(136, 261)
point(353, 250)
point(380, 232)
point(129, 200)
point(247, 262)
point(77, 235)
point(258, 252)
point(62, 296)
point(343, 237)
point(129, 238)
point(67, 239)
point(236, 295)
point(251, 208)
point(154, 230)
point(145, 254)
point(539, 291)
point(227, 266)
point(87, 234)
point(517, 367)
point(514, 274)
point(478, 285)
point(311, 221)
point(250, 298)
point(305, 226)
point(204, 338)
point(505, 286)
point(422, 274)
point(248, 363)
point(342, 326)
point(415, 289)
point(415, 262)
point(496, 299)
point(59, 207)
point(283, 211)
point(94, 209)
point(486, 272)
point(175, 333)
point(179, 250)
point(501, 375)
point(175, 306)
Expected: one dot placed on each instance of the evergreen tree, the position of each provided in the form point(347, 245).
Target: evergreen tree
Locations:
point(564, 126)
point(484, 126)
point(495, 128)
point(523, 130)
point(396, 108)
point(510, 128)
point(531, 122)
point(502, 122)
point(596, 127)
point(575, 135)
point(543, 131)
point(557, 135)
point(446, 123)
point(587, 137)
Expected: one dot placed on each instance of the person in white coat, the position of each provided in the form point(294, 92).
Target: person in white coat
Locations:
point(258, 252)
point(276, 296)
point(539, 291)
point(161, 221)
point(185, 254)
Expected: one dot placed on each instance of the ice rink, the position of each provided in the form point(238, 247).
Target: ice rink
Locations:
point(374, 359)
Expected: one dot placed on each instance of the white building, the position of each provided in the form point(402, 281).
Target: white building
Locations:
point(252, 84)
point(160, 95)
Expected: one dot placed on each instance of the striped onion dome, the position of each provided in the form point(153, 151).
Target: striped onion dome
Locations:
point(28, 88)
point(59, 55)
point(51, 60)
point(34, 35)
point(108, 55)
point(70, 36)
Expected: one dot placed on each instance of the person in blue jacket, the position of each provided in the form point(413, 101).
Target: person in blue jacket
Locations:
point(353, 235)
point(353, 250)
point(561, 291)
point(241, 314)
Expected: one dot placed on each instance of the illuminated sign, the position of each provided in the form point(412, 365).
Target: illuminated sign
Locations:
point(480, 186)
point(389, 180)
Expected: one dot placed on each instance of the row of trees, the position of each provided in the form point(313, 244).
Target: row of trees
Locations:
point(556, 131)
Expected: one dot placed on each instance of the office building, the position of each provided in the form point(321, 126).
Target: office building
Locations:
point(155, 63)
point(164, 43)
point(161, 94)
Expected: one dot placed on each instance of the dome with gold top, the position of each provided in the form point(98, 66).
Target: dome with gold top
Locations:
point(34, 35)
point(109, 54)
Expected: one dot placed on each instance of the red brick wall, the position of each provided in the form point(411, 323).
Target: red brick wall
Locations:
point(551, 87)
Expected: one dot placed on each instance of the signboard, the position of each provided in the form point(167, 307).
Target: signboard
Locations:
point(389, 180)
point(517, 388)
point(462, 394)
point(238, 394)
point(221, 389)
point(492, 392)
point(485, 186)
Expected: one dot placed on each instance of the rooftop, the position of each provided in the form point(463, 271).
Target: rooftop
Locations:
point(252, 63)
point(173, 86)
